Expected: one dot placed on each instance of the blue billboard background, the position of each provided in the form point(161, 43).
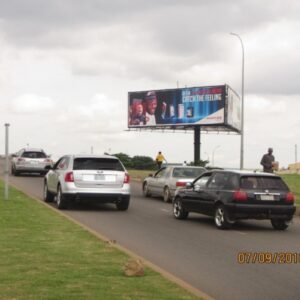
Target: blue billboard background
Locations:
point(185, 106)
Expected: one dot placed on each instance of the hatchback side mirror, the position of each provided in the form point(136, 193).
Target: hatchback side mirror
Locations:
point(189, 185)
point(150, 175)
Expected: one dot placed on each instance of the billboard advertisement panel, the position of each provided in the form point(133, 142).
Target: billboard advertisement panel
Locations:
point(233, 109)
point(203, 106)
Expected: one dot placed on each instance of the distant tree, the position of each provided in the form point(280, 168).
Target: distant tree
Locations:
point(143, 163)
point(199, 163)
point(125, 159)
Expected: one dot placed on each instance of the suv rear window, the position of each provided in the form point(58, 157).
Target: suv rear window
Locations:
point(34, 154)
point(261, 182)
point(91, 163)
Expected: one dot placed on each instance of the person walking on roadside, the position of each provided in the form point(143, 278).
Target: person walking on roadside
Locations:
point(267, 161)
point(159, 159)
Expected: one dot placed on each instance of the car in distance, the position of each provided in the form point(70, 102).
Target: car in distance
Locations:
point(30, 160)
point(87, 177)
point(168, 179)
point(233, 195)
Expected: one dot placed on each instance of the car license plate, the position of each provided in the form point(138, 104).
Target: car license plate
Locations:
point(34, 162)
point(267, 197)
point(99, 177)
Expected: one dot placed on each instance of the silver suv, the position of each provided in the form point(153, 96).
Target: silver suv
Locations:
point(87, 177)
point(30, 160)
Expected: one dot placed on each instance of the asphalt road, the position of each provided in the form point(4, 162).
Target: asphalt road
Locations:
point(193, 249)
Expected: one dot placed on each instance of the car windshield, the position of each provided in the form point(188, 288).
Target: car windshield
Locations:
point(263, 182)
point(34, 154)
point(187, 172)
point(94, 163)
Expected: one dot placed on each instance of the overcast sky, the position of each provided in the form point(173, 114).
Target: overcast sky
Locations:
point(66, 68)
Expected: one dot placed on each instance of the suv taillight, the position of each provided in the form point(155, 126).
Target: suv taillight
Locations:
point(69, 177)
point(126, 178)
point(180, 184)
point(239, 196)
point(289, 197)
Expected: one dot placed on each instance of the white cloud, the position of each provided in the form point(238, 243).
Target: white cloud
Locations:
point(32, 104)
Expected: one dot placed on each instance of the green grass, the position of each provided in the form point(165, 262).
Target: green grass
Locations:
point(293, 181)
point(45, 256)
point(140, 174)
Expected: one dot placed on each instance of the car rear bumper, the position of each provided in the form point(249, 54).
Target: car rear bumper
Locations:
point(101, 198)
point(247, 211)
point(31, 170)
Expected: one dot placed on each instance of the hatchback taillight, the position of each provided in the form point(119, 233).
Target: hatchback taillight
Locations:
point(21, 159)
point(47, 160)
point(239, 196)
point(180, 184)
point(126, 178)
point(289, 197)
point(69, 177)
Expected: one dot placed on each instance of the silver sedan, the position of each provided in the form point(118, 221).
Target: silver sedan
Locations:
point(167, 180)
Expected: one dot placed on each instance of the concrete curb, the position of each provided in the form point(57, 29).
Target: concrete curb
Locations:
point(189, 288)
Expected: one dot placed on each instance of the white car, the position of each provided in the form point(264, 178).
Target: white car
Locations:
point(168, 179)
point(88, 177)
point(30, 160)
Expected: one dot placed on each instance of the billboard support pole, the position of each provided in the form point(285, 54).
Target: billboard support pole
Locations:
point(197, 143)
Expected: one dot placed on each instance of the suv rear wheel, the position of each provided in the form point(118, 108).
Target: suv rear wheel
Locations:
point(123, 204)
point(60, 199)
point(280, 224)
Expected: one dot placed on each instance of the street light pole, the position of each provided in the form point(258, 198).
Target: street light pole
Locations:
point(6, 167)
point(242, 119)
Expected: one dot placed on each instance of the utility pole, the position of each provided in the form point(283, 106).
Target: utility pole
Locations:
point(6, 168)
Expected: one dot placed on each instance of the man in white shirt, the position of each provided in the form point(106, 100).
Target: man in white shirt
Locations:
point(151, 105)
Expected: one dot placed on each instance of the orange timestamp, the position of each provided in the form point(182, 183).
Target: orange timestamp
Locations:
point(268, 257)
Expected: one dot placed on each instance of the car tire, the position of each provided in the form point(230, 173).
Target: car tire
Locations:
point(61, 201)
point(48, 197)
point(123, 204)
point(167, 196)
point(221, 218)
point(280, 224)
point(146, 190)
point(178, 211)
point(14, 172)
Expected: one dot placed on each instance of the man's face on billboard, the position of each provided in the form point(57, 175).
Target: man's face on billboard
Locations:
point(151, 106)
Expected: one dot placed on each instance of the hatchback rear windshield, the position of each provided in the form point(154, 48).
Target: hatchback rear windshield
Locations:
point(261, 182)
point(94, 163)
point(34, 154)
point(187, 172)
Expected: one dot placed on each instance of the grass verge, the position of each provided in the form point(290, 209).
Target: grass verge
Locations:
point(293, 181)
point(45, 256)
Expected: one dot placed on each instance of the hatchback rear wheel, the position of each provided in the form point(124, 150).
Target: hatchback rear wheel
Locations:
point(280, 224)
point(222, 220)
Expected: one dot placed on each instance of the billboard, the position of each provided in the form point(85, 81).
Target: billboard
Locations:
point(185, 107)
